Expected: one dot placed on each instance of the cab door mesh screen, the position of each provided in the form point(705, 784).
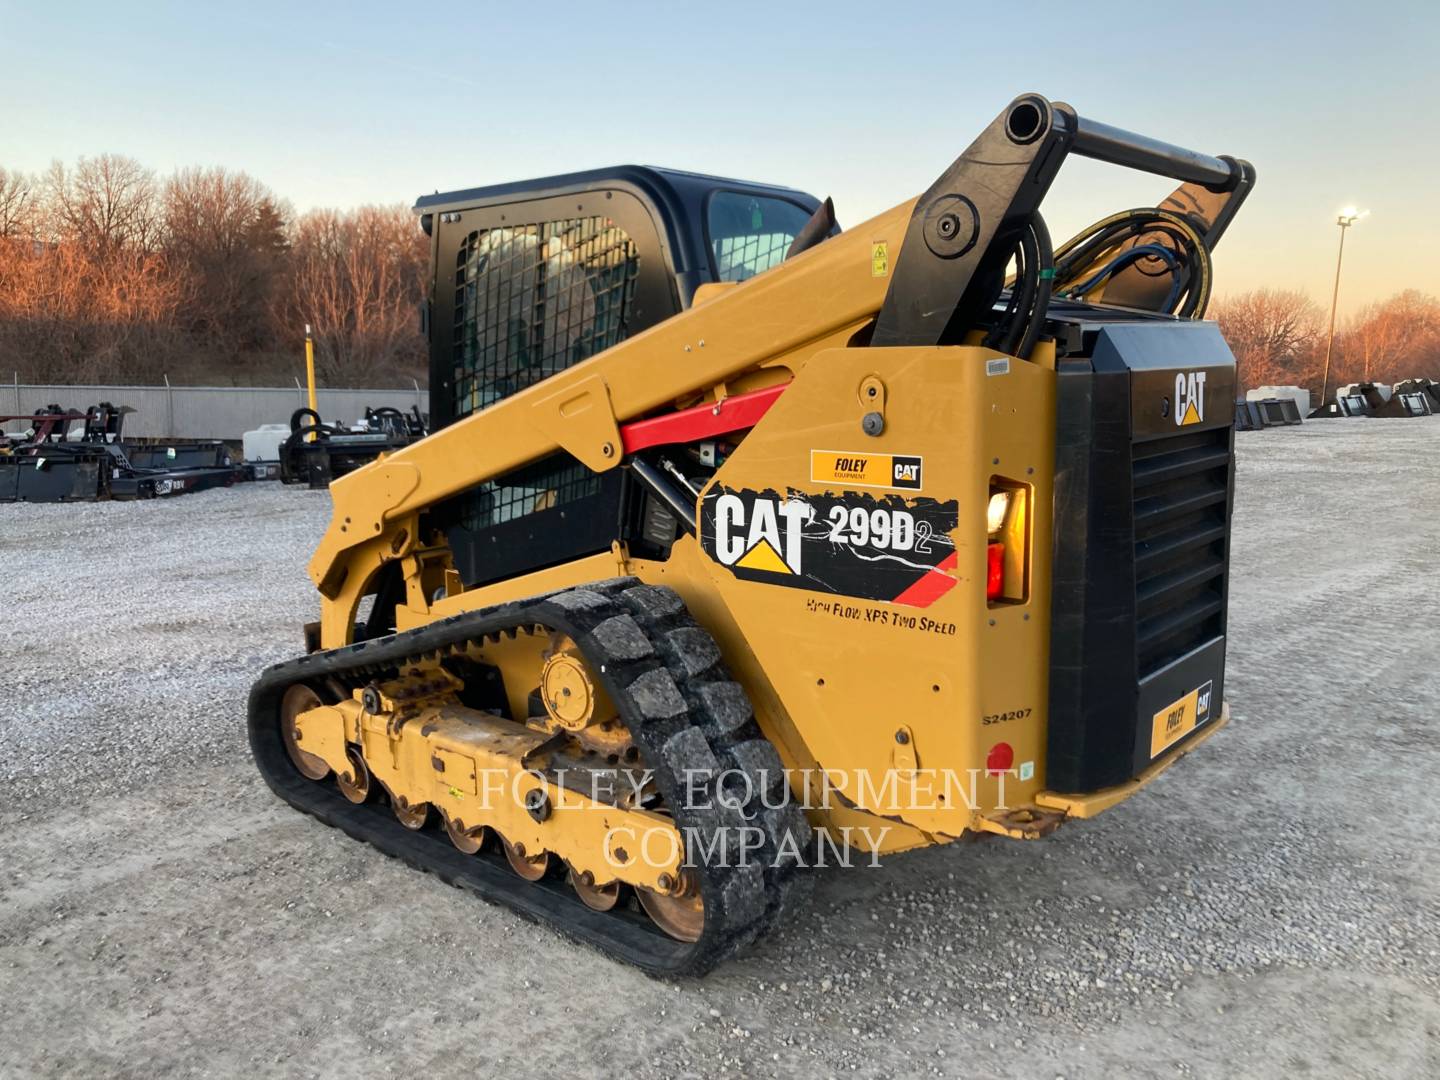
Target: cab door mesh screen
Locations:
point(531, 300)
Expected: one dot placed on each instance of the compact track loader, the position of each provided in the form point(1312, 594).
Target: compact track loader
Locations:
point(745, 542)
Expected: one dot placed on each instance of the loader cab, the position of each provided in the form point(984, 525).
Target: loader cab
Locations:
point(530, 278)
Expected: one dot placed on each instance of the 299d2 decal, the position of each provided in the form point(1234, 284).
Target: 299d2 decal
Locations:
point(873, 547)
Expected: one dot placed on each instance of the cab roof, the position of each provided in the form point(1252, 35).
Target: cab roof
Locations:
point(661, 184)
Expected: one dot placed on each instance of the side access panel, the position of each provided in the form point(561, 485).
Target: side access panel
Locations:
point(855, 566)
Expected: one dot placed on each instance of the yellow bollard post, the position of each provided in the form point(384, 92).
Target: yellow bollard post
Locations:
point(310, 367)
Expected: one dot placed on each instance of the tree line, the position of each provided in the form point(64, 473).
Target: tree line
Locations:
point(1279, 337)
point(110, 273)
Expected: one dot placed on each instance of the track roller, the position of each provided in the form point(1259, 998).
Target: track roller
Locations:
point(530, 867)
point(412, 815)
point(354, 785)
point(680, 912)
point(595, 897)
point(469, 841)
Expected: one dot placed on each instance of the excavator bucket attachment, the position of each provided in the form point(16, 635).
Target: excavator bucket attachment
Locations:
point(1257, 413)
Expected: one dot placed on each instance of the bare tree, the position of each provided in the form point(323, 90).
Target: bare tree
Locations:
point(109, 202)
point(18, 204)
point(225, 234)
point(1392, 340)
point(70, 317)
point(107, 274)
point(356, 278)
point(1273, 333)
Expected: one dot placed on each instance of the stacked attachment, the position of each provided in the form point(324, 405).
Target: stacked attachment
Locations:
point(1408, 398)
point(50, 462)
point(1265, 413)
point(317, 453)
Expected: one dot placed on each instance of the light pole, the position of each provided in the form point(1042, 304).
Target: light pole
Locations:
point(1344, 219)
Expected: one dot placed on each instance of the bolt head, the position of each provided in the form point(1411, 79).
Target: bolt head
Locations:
point(952, 226)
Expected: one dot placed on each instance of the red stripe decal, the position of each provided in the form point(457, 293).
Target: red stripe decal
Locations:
point(935, 584)
point(701, 422)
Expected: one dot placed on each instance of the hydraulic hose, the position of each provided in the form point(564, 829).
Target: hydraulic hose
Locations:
point(1019, 326)
point(1096, 254)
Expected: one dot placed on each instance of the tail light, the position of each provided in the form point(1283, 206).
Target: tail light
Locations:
point(995, 573)
point(1007, 522)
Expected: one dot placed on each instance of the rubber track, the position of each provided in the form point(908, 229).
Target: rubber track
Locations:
point(684, 711)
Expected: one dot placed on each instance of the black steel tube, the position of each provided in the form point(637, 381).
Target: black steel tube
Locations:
point(1125, 148)
point(665, 491)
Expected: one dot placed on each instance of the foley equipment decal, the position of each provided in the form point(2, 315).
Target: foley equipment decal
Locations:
point(1179, 718)
point(866, 470)
point(882, 547)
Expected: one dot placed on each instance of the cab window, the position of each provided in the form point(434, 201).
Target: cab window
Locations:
point(750, 233)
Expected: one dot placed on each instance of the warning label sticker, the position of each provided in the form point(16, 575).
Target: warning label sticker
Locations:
point(879, 259)
point(866, 470)
point(872, 547)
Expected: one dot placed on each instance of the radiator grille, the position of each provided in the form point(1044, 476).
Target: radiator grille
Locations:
point(1181, 489)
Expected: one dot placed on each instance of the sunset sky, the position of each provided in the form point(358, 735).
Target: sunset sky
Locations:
point(333, 104)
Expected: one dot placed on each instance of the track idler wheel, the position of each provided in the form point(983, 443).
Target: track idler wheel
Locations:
point(467, 840)
point(530, 867)
point(595, 897)
point(300, 699)
point(680, 912)
point(355, 784)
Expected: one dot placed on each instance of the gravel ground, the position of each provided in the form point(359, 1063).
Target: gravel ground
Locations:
point(1268, 908)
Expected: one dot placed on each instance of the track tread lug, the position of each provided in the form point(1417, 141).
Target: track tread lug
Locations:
point(723, 707)
point(691, 649)
point(657, 695)
point(622, 639)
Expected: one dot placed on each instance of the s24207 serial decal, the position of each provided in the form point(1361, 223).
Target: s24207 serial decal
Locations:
point(873, 547)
